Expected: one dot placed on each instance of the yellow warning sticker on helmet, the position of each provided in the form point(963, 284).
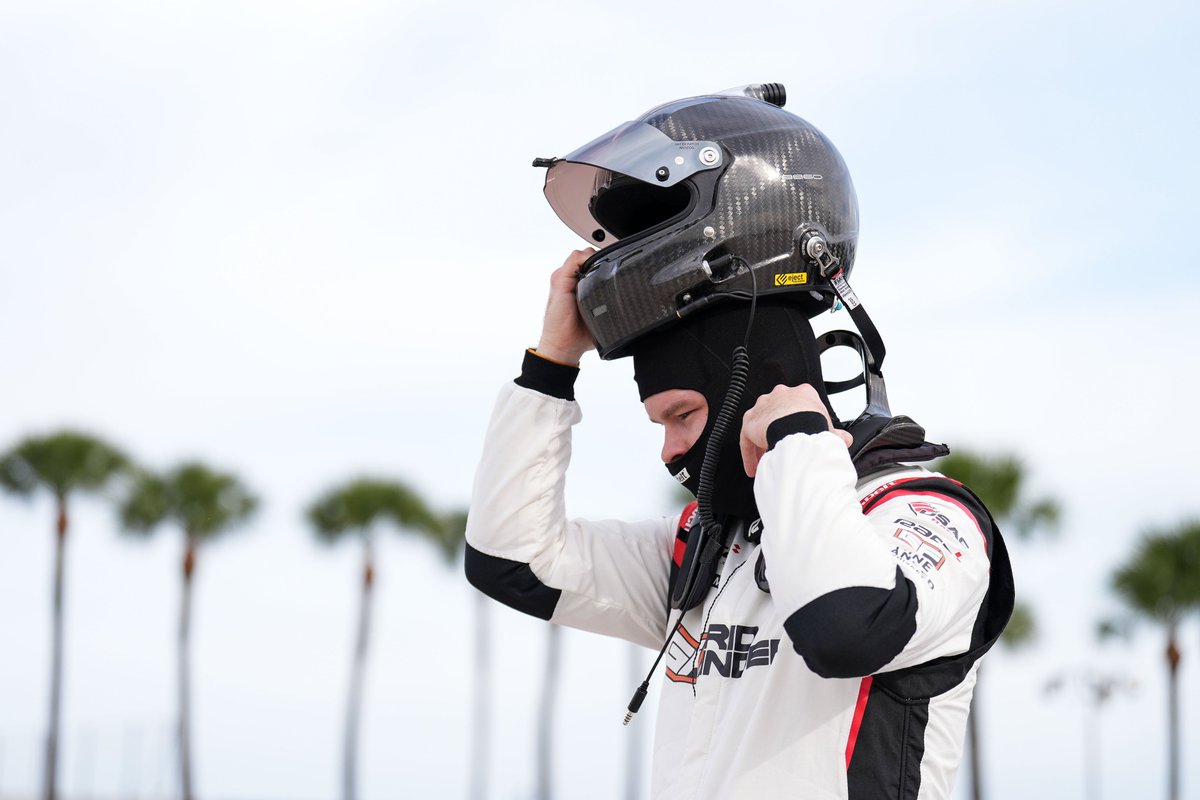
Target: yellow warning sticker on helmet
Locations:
point(791, 279)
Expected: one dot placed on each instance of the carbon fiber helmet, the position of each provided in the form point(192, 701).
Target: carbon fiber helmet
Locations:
point(701, 200)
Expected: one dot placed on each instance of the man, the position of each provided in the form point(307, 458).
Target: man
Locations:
point(824, 603)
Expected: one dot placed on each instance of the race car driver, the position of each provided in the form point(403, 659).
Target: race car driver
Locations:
point(824, 602)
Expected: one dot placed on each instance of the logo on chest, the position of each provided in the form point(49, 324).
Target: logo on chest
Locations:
point(724, 650)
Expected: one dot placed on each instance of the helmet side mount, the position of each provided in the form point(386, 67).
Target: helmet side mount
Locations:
point(815, 248)
point(718, 267)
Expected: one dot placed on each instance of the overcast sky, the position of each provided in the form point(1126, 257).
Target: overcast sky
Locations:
point(302, 241)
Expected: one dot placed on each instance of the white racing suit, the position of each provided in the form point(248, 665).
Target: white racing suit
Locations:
point(835, 654)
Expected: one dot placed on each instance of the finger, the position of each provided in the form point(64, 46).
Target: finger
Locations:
point(846, 437)
point(755, 458)
point(577, 258)
point(750, 454)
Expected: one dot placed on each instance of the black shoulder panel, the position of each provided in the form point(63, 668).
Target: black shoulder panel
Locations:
point(851, 632)
point(942, 674)
point(887, 756)
point(512, 583)
point(886, 760)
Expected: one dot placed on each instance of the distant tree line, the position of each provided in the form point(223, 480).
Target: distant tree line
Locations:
point(1160, 582)
point(203, 504)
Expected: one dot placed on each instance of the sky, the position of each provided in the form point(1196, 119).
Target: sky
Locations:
point(302, 241)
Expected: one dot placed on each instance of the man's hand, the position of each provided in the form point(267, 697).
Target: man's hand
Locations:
point(778, 403)
point(564, 336)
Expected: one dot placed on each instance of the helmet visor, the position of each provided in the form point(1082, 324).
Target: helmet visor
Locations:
point(637, 151)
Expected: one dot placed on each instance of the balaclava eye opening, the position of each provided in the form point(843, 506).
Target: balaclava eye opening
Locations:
point(697, 354)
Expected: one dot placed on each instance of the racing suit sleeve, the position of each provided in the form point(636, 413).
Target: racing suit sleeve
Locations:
point(867, 587)
point(605, 576)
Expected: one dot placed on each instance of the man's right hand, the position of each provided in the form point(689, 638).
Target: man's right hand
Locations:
point(564, 336)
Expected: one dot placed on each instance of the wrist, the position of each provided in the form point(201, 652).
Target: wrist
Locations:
point(559, 355)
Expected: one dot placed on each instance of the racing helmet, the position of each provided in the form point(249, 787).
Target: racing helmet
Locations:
point(701, 200)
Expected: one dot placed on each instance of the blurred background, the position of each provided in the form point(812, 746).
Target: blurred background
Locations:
point(300, 243)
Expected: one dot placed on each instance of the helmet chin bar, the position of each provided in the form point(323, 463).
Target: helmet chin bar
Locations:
point(877, 399)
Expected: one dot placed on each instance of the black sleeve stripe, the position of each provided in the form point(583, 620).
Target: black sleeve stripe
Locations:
point(548, 377)
point(852, 632)
point(512, 583)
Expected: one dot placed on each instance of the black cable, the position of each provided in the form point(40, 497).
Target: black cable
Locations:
point(709, 527)
point(696, 662)
point(640, 695)
point(738, 380)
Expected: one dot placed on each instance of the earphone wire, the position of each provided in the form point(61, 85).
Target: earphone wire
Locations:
point(709, 527)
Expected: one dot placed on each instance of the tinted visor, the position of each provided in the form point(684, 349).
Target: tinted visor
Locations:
point(626, 181)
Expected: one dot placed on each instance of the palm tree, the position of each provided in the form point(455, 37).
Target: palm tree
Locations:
point(355, 508)
point(455, 528)
point(999, 483)
point(1098, 689)
point(205, 504)
point(62, 463)
point(1162, 582)
point(546, 705)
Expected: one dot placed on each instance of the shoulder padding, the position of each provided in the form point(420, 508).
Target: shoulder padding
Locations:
point(882, 441)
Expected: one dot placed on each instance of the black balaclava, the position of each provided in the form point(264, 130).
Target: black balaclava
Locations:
point(698, 354)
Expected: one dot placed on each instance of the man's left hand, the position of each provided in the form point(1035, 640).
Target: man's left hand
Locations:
point(778, 403)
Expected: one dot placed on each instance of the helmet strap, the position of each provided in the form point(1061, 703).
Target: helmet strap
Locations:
point(830, 266)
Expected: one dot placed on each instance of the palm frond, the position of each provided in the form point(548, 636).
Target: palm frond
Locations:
point(999, 482)
point(145, 505)
point(1021, 629)
point(1162, 579)
point(202, 501)
point(62, 462)
point(453, 534)
point(996, 479)
point(354, 507)
point(208, 503)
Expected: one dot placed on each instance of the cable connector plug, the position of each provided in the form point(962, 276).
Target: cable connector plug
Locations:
point(636, 703)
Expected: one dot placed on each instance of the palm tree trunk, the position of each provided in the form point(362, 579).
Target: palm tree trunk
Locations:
point(973, 743)
point(56, 654)
point(482, 724)
point(357, 669)
point(1091, 746)
point(633, 734)
point(185, 682)
point(545, 734)
point(1173, 657)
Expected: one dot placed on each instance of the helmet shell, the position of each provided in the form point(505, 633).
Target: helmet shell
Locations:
point(716, 180)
